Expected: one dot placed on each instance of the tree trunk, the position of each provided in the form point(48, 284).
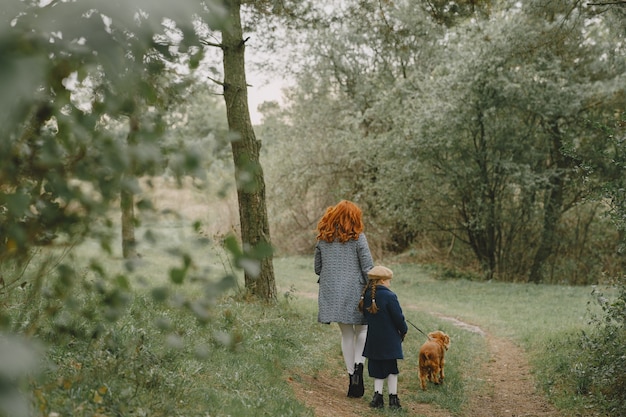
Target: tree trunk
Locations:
point(479, 206)
point(255, 233)
point(129, 250)
point(553, 205)
point(127, 205)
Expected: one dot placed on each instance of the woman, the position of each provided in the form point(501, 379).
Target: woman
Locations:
point(342, 260)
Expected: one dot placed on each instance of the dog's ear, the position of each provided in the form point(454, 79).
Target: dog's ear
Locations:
point(447, 341)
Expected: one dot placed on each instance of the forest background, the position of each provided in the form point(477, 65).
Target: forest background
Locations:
point(485, 138)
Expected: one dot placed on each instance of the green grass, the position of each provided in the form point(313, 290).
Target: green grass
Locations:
point(542, 319)
point(158, 360)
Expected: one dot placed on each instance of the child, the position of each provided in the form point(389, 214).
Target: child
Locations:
point(386, 329)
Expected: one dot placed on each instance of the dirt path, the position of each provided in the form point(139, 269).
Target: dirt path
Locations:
point(509, 389)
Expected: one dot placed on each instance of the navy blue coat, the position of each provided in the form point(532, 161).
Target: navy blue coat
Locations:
point(386, 328)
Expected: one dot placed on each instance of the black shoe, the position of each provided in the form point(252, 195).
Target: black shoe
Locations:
point(377, 401)
point(394, 402)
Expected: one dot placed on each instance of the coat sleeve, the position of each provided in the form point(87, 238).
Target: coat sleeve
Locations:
point(318, 260)
point(365, 257)
point(395, 311)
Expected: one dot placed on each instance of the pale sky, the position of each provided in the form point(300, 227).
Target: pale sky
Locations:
point(261, 90)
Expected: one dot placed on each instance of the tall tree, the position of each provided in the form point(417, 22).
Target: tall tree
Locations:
point(255, 231)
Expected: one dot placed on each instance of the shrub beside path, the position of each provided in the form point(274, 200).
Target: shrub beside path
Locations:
point(508, 390)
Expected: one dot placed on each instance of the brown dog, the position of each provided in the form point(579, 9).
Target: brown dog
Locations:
point(431, 359)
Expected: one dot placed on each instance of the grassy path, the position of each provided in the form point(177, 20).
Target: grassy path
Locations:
point(505, 388)
point(493, 326)
point(325, 394)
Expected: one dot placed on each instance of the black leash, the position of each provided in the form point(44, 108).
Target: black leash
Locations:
point(418, 329)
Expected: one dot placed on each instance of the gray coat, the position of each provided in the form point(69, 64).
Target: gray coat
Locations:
point(342, 270)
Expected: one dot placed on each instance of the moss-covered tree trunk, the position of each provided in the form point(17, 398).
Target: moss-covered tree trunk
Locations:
point(127, 204)
point(255, 231)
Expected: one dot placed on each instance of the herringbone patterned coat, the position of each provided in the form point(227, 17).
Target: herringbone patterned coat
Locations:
point(342, 270)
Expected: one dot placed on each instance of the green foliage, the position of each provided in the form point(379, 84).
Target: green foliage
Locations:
point(469, 136)
point(610, 161)
point(63, 155)
point(325, 147)
point(178, 367)
point(600, 369)
point(586, 369)
point(197, 142)
point(495, 140)
point(450, 13)
point(86, 88)
point(159, 360)
point(555, 370)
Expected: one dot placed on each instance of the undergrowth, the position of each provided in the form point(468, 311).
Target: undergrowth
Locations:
point(154, 358)
point(586, 370)
point(158, 361)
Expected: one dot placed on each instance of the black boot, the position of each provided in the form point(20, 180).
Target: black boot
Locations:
point(351, 386)
point(394, 402)
point(377, 401)
point(356, 388)
point(359, 390)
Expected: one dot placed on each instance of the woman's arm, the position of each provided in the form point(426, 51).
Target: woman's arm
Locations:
point(317, 266)
point(365, 257)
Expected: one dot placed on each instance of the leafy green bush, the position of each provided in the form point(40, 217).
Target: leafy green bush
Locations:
point(601, 368)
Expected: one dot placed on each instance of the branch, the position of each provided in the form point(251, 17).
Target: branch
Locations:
point(216, 81)
point(223, 84)
point(609, 3)
point(207, 43)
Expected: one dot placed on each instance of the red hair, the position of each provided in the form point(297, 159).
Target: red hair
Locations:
point(342, 222)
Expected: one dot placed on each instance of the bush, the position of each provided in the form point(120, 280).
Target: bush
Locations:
point(601, 368)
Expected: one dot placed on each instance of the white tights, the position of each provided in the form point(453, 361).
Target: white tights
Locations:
point(352, 344)
point(392, 384)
